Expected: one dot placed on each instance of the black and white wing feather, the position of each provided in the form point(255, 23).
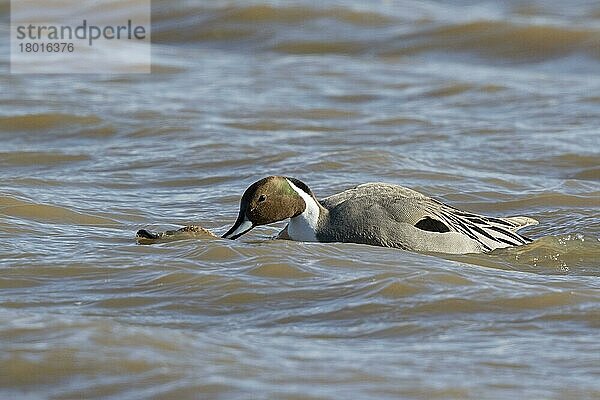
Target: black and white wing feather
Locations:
point(491, 233)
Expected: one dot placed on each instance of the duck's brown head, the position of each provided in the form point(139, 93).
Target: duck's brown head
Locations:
point(268, 200)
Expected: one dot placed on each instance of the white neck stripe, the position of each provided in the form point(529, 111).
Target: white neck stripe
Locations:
point(304, 226)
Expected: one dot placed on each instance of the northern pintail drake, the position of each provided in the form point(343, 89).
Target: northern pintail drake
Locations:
point(377, 214)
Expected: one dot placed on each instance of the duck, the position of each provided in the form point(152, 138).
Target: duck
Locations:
point(378, 214)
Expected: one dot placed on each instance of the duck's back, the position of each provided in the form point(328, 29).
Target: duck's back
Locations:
point(385, 202)
point(371, 189)
point(394, 216)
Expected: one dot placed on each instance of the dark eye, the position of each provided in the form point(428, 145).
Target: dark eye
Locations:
point(262, 198)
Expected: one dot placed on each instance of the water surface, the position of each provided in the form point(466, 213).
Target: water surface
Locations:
point(494, 108)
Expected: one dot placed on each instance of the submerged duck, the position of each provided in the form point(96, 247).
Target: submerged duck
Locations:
point(378, 214)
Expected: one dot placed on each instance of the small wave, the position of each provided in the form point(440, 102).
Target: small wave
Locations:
point(231, 22)
point(72, 356)
point(252, 25)
point(574, 254)
point(33, 122)
point(587, 174)
point(26, 209)
point(498, 39)
point(312, 114)
point(546, 301)
point(315, 30)
point(320, 47)
point(280, 270)
point(298, 14)
point(36, 158)
point(569, 166)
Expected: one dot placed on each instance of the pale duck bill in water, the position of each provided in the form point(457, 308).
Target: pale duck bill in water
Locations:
point(378, 214)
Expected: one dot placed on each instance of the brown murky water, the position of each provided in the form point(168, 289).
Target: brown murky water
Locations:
point(493, 107)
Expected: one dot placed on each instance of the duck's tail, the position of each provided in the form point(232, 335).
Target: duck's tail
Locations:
point(519, 222)
point(491, 232)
